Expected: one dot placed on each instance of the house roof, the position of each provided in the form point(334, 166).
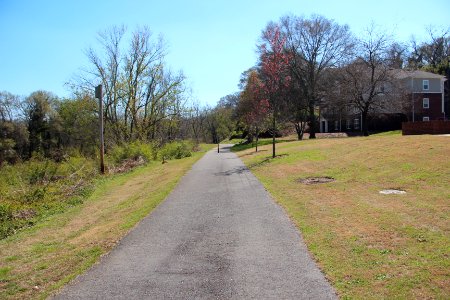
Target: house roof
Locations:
point(401, 74)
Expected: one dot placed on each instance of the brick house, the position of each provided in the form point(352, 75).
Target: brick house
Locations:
point(420, 97)
point(426, 93)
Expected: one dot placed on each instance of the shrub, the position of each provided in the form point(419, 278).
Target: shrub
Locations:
point(40, 187)
point(77, 167)
point(41, 171)
point(175, 150)
point(7, 225)
point(133, 151)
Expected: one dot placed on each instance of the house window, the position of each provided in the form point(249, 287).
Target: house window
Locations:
point(426, 85)
point(426, 119)
point(356, 123)
point(348, 124)
point(426, 103)
point(336, 125)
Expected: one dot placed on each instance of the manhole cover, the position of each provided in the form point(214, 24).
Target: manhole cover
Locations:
point(315, 180)
point(392, 192)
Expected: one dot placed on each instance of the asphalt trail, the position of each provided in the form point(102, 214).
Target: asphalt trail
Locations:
point(219, 235)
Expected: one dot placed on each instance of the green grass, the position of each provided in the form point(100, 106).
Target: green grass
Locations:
point(61, 246)
point(388, 133)
point(368, 245)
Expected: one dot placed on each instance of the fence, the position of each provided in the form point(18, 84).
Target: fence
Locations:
point(429, 127)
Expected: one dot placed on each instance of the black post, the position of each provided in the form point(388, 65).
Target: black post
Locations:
point(273, 135)
point(99, 96)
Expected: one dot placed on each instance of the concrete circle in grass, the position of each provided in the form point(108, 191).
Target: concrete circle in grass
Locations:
point(392, 192)
point(316, 180)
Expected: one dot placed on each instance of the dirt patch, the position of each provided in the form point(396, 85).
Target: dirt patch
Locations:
point(315, 180)
point(24, 214)
point(127, 165)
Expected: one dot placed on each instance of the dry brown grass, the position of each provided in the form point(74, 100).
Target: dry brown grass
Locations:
point(39, 260)
point(369, 245)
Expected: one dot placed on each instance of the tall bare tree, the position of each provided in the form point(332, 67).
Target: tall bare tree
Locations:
point(9, 104)
point(396, 55)
point(141, 94)
point(10, 128)
point(316, 44)
point(196, 121)
point(432, 55)
point(368, 81)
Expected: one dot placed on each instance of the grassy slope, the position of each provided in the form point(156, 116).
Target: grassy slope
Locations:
point(37, 261)
point(369, 245)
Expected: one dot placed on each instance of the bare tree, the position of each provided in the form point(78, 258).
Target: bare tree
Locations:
point(12, 141)
point(296, 109)
point(434, 54)
point(316, 44)
point(396, 55)
point(196, 121)
point(141, 94)
point(368, 80)
point(9, 105)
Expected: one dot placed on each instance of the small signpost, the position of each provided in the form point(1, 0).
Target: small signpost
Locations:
point(99, 96)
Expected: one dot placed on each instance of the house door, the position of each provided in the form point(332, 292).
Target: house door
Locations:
point(323, 126)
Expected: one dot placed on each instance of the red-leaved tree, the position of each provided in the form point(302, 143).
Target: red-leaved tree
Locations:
point(253, 106)
point(274, 62)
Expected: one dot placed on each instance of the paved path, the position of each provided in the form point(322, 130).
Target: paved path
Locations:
point(218, 235)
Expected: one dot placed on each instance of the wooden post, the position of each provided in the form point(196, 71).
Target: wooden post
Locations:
point(99, 96)
point(218, 149)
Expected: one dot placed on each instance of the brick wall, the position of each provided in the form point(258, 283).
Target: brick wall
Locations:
point(434, 112)
point(430, 127)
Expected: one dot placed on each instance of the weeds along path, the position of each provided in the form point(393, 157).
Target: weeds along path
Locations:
point(39, 260)
point(219, 235)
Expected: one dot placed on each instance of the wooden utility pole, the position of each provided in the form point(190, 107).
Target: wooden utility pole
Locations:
point(99, 96)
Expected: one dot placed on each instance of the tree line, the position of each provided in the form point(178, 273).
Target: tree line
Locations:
point(143, 101)
point(306, 64)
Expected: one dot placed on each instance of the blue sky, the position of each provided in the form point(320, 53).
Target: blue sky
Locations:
point(213, 42)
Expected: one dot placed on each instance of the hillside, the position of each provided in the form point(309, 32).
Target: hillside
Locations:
point(368, 244)
point(38, 260)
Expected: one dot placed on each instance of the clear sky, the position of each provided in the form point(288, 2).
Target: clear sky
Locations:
point(212, 41)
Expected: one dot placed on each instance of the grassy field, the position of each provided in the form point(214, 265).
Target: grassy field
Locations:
point(36, 261)
point(369, 245)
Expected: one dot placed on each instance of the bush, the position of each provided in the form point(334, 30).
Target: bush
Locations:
point(175, 150)
point(133, 151)
point(35, 189)
point(41, 171)
point(6, 216)
point(40, 187)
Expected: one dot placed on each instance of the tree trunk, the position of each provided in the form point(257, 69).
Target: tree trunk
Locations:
point(365, 127)
point(300, 130)
point(312, 122)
